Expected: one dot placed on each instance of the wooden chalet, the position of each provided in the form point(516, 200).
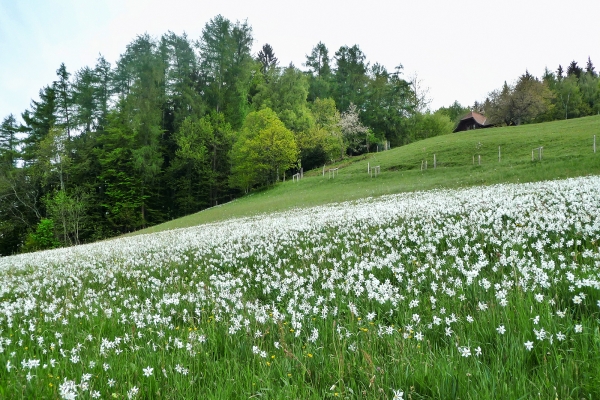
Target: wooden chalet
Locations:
point(472, 120)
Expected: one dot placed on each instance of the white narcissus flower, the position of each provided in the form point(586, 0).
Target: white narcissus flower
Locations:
point(148, 371)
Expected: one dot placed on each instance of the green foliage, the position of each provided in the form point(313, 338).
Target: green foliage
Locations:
point(525, 102)
point(8, 142)
point(323, 142)
point(43, 238)
point(350, 77)
point(424, 126)
point(388, 103)
point(225, 67)
point(319, 72)
point(264, 150)
point(455, 112)
point(38, 121)
point(69, 211)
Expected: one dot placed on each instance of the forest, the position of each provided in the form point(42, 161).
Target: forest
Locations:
point(180, 124)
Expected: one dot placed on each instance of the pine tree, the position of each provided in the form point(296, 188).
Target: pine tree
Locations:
point(8, 142)
point(267, 58)
point(589, 68)
point(64, 100)
point(38, 121)
point(574, 69)
point(320, 72)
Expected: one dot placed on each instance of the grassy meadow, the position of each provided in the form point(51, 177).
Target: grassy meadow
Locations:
point(568, 152)
point(435, 284)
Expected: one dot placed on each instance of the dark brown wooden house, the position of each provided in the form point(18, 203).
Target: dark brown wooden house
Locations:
point(472, 120)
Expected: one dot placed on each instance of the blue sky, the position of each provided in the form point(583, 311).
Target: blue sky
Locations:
point(460, 49)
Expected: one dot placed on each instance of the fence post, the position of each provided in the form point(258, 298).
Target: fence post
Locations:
point(434, 162)
point(498, 153)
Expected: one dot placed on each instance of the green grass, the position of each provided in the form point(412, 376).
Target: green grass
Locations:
point(103, 315)
point(567, 153)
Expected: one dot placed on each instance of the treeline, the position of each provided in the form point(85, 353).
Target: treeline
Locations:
point(556, 95)
point(178, 125)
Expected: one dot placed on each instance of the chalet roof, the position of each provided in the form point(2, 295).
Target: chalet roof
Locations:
point(480, 119)
point(472, 120)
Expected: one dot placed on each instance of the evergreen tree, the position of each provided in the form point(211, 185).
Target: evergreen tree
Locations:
point(8, 143)
point(559, 72)
point(319, 71)
point(38, 121)
point(225, 67)
point(104, 79)
point(85, 107)
point(64, 100)
point(589, 68)
point(267, 58)
point(350, 77)
point(574, 69)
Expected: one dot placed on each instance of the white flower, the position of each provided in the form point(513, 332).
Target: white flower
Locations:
point(560, 336)
point(67, 390)
point(529, 345)
point(541, 334)
point(501, 329)
point(398, 395)
point(478, 351)
point(465, 351)
point(132, 392)
point(148, 371)
point(578, 328)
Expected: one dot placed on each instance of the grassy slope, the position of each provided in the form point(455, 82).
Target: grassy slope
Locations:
point(567, 153)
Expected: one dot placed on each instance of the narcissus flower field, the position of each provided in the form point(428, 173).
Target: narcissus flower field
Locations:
point(486, 292)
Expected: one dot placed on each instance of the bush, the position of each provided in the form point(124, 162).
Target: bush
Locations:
point(43, 238)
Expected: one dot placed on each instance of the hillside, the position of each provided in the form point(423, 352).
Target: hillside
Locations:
point(567, 152)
